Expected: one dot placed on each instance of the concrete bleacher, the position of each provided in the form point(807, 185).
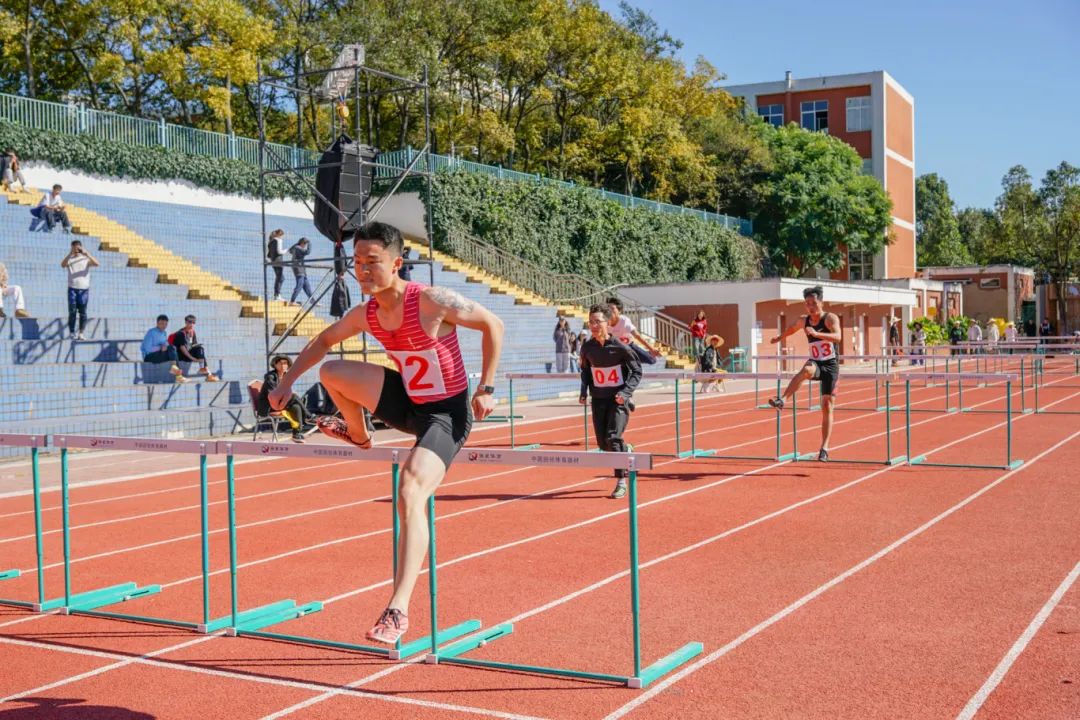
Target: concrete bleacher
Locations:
point(53, 384)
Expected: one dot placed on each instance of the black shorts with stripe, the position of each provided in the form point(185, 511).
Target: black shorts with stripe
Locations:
point(827, 373)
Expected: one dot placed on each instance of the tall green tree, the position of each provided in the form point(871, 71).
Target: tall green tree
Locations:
point(979, 232)
point(1042, 225)
point(815, 201)
point(939, 241)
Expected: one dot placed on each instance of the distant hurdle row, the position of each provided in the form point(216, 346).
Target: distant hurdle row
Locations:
point(884, 385)
point(443, 645)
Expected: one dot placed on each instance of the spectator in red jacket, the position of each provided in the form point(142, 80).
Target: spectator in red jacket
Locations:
point(699, 328)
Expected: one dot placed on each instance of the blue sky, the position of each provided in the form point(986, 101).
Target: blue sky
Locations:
point(996, 83)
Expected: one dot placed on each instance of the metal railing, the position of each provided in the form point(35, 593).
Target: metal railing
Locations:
point(567, 289)
point(72, 119)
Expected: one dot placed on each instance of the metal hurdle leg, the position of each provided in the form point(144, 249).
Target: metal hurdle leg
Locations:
point(512, 416)
point(34, 442)
point(694, 451)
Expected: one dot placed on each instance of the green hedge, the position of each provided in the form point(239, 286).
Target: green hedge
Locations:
point(574, 231)
point(114, 159)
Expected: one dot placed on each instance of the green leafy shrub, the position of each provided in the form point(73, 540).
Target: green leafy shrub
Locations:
point(571, 230)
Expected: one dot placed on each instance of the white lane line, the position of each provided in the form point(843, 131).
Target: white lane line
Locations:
point(793, 607)
point(1003, 667)
point(151, 661)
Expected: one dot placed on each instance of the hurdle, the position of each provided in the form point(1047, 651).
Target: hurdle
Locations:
point(452, 653)
point(252, 622)
point(35, 443)
point(494, 418)
point(1010, 463)
point(88, 603)
point(1038, 375)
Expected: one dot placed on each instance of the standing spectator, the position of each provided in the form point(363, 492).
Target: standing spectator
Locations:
point(13, 291)
point(189, 348)
point(156, 348)
point(1044, 328)
point(575, 350)
point(561, 337)
point(894, 337)
point(340, 299)
point(1010, 333)
point(294, 409)
point(274, 255)
point(11, 170)
point(624, 331)
point(78, 263)
point(405, 271)
point(299, 253)
point(711, 362)
point(956, 336)
point(918, 343)
point(699, 328)
point(993, 334)
point(53, 211)
point(974, 337)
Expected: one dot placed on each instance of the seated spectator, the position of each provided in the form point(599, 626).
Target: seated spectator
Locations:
point(711, 362)
point(156, 348)
point(405, 271)
point(189, 348)
point(299, 253)
point(11, 171)
point(13, 291)
point(53, 211)
point(294, 409)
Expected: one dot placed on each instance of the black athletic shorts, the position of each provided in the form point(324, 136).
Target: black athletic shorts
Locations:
point(442, 426)
point(827, 373)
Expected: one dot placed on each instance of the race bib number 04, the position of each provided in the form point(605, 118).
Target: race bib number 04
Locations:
point(821, 350)
point(420, 370)
point(607, 376)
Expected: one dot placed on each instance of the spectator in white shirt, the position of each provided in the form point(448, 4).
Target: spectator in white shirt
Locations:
point(975, 336)
point(12, 170)
point(13, 291)
point(620, 328)
point(992, 335)
point(52, 210)
point(78, 263)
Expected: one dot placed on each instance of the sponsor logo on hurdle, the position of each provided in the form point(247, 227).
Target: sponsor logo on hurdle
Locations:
point(101, 442)
point(554, 460)
point(333, 452)
point(276, 449)
point(485, 456)
point(151, 445)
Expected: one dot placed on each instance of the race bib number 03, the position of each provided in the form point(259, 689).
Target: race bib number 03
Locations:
point(420, 371)
point(821, 350)
point(607, 376)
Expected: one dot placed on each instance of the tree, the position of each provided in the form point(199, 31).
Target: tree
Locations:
point(935, 224)
point(1042, 226)
point(815, 201)
point(979, 231)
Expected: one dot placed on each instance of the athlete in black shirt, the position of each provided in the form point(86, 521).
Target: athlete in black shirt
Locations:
point(611, 371)
point(823, 335)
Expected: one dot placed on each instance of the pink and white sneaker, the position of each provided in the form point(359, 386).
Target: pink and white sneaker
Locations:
point(392, 624)
point(338, 429)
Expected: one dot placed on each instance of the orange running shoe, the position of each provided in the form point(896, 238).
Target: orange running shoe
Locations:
point(392, 625)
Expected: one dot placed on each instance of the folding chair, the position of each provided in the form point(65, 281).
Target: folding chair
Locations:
point(274, 418)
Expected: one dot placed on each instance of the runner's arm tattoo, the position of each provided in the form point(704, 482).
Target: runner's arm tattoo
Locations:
point(450, 299)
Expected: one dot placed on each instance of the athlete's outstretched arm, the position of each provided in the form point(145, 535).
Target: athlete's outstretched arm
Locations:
point(353, 323)
point(458, 310)
point(788, 332)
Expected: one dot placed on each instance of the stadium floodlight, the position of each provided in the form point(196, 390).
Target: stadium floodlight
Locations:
point(337, 80)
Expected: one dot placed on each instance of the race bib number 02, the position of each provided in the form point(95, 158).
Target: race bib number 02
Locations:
point(607, 376)
point(821, 350)
point(420, 371)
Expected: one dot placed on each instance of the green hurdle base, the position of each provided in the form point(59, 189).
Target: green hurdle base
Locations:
point(403, 652)
point(256, 619)
point(898, 460)
point(93, 599)
point(9, 574)
point(695, 453)
point(921, 460)
point(451, 655)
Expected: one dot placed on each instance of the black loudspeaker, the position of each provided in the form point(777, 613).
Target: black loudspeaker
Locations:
point(346, 184)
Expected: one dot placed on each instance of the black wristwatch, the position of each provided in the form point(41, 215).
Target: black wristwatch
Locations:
point(485, 390)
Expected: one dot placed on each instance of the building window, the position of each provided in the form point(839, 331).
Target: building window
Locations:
point(868, 166)
point(858, 114)
point(772, 114)
point(860, 265)
point(815, 115)
point(989, 283)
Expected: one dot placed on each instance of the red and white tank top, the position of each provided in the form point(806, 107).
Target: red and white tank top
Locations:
point(431, 368)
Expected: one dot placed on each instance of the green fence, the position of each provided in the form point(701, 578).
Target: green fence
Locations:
point(74, 119)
